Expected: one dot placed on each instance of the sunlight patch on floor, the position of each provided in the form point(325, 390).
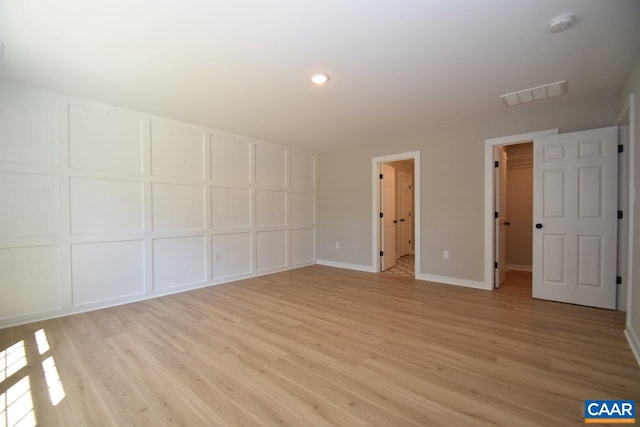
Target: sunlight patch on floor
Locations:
point(17, 398)
point(41, 341)
point(12, 360)
point(16, 405)
point(51, 376)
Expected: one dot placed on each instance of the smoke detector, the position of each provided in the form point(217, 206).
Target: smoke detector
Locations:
point(561, 23)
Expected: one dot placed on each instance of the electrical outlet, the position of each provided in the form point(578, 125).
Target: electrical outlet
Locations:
point(445, 254)
point(337, 245)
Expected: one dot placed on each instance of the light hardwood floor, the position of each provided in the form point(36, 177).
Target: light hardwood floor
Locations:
point(322, 346)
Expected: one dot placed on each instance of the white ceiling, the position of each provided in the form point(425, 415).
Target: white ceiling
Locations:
point(397, 67)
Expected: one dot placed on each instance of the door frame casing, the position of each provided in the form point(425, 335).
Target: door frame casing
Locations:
point(489, 220)
point(375, 205)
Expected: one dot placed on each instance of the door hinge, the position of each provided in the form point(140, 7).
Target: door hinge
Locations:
point(618, 280)
point(380, 176)
point(496, 215)
point(496, 164)
point(381, 253)
point(381, 215)
point(620, 215)
point(620, 148)
point(495, 264)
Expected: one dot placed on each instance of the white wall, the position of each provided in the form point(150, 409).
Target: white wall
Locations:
point(452, 185)
point(102, 206)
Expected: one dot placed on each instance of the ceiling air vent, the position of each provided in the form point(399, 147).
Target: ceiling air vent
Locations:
point(534, 94)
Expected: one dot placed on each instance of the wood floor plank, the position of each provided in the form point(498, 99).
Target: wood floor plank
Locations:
point(320, 346)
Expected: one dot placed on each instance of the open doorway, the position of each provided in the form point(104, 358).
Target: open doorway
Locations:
point(492, 223)
point(514, 215)
point(402, 200)
point(396, 214)
point(574, 250)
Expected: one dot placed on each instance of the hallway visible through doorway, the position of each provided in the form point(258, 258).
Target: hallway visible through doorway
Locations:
point(412, 225)
point(397, 216)
point(405, 266)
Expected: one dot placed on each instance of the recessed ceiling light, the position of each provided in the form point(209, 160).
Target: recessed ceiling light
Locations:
point(319, 79)
point(561, 23)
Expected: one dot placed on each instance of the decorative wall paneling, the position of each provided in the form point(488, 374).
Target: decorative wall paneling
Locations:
point(103, 206)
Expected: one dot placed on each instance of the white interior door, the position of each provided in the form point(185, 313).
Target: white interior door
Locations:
point(405, 184)
point(388, 220)
point(575, 217)
point(501, 220)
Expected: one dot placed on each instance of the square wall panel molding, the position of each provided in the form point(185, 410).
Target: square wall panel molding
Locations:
point(105, 139)
point(117, 205)
point(179, 261)
point(177, 151)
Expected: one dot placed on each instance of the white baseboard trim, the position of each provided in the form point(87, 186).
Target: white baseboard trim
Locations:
point(113, 302)
point(516, 267)
point(634, 342)
point(452, 281)
point(346, 265)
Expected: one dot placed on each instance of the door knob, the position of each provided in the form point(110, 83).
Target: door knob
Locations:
point(538, 226)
